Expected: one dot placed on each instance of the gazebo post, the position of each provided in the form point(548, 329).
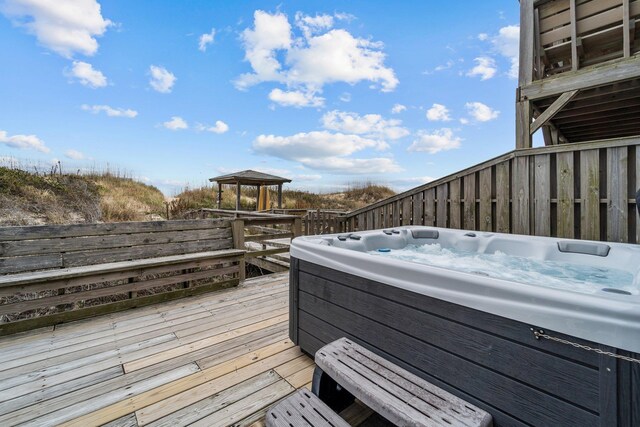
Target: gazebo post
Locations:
point(258, 198)
point(219, 195)
point(279, 196)
point(238, 187)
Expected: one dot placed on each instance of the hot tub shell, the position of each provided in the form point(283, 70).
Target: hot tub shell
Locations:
point(473, 335)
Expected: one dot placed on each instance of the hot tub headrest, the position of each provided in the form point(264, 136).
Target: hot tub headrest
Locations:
point(587, 248)
point(425, 234)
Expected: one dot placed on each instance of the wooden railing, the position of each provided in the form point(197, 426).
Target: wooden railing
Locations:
point(583, 191)
point(58, 273)
point(259, 233)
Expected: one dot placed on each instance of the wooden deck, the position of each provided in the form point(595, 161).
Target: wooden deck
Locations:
point(218, 359)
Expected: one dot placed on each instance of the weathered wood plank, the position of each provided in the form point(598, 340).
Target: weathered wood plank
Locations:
point(406, 211)
point(455, 204)
point(469, 202)
point(396, 394)
point(617, 209)
point(503, 198)
point(83, 258)
point(566, 197)
point(44, 246)
point(29, 263)
point(303, 408)
point(430, 207)
point(68, 273)
point(542, 194)
point(442, 204)
point(85, 230)
point(485, 214)
point(520, 203)
point(590, 195)
point(418, 208)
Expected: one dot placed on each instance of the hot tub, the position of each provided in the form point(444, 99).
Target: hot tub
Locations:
point(460, 309)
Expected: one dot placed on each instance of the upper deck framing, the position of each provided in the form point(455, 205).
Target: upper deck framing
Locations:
point(579, 76)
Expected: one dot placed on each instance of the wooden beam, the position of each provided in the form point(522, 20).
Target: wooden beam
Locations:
point(279, 196)
point(238, 187)
point(219, 196)
point(585, 78)
point(258, 197)
point(574, 35)
point(523, 125)
point(626, 33)
point(237, 228)
point(525, 74)
point(552, 110)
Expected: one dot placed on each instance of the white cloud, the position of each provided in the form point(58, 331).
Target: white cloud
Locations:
point(161, 80)
point(322, 55)
point(371, 125)
point(64, 26)
point(206, 39)
point(398, 108)
point(481, 112)
point(87, 75)
point(176, 123)
point(507, 43)
point(349, 166)
point(307, 177)
point(438, 113)
point(436, 141)
point(313, 144)
point(23, 142)
point(109, 111)
point(220, 127)
point(74, 155)
point(485, 68)
point(270, 33)
point(295, 98)
point(483, 36)
point(313, 24)
point(345, 97)
point(323, 150)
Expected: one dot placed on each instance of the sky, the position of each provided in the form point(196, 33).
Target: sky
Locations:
point(326, 93)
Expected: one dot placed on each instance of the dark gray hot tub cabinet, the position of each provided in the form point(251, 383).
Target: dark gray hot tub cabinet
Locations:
point(493, 362)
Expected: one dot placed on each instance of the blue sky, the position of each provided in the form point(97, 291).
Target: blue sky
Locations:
point(324, 92)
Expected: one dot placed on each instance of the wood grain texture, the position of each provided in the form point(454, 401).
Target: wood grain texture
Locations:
point(542, 194)
point(442, 208)
point(469, 214)
point(566, 197)
point(485, 215)
point(455, 205)
point(503, 198)
point(590, 194)
point(617, 191)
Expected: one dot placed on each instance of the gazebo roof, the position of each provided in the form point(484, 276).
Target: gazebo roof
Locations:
point(249, 177)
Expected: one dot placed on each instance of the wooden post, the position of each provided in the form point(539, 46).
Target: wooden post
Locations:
point(626, 30)
point(238, 187)
point(523, 125)
point(219, 196)
point(237, 230)
point(297, 227)
point(525, 74)
point(279, 196)
point(258, 197)
point(574, 35)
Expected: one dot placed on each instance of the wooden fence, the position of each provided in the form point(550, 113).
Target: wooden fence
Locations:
point(583, 191)
point(57, 273)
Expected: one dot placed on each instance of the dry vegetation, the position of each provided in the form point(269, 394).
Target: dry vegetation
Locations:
point(355, 196)
point(36, 198)
point(29, 198)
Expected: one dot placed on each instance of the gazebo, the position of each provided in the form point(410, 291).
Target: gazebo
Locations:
point(251, 178)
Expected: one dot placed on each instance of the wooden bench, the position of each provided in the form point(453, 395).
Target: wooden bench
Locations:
point(53, 274)
point(394, 393)
point(303, 408)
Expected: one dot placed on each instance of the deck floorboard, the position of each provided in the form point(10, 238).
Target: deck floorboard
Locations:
point(216, 359)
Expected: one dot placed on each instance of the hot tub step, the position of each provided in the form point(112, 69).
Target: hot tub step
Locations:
point(394, 393)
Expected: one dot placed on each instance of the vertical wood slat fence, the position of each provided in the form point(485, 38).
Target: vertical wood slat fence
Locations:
point(582, 191)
